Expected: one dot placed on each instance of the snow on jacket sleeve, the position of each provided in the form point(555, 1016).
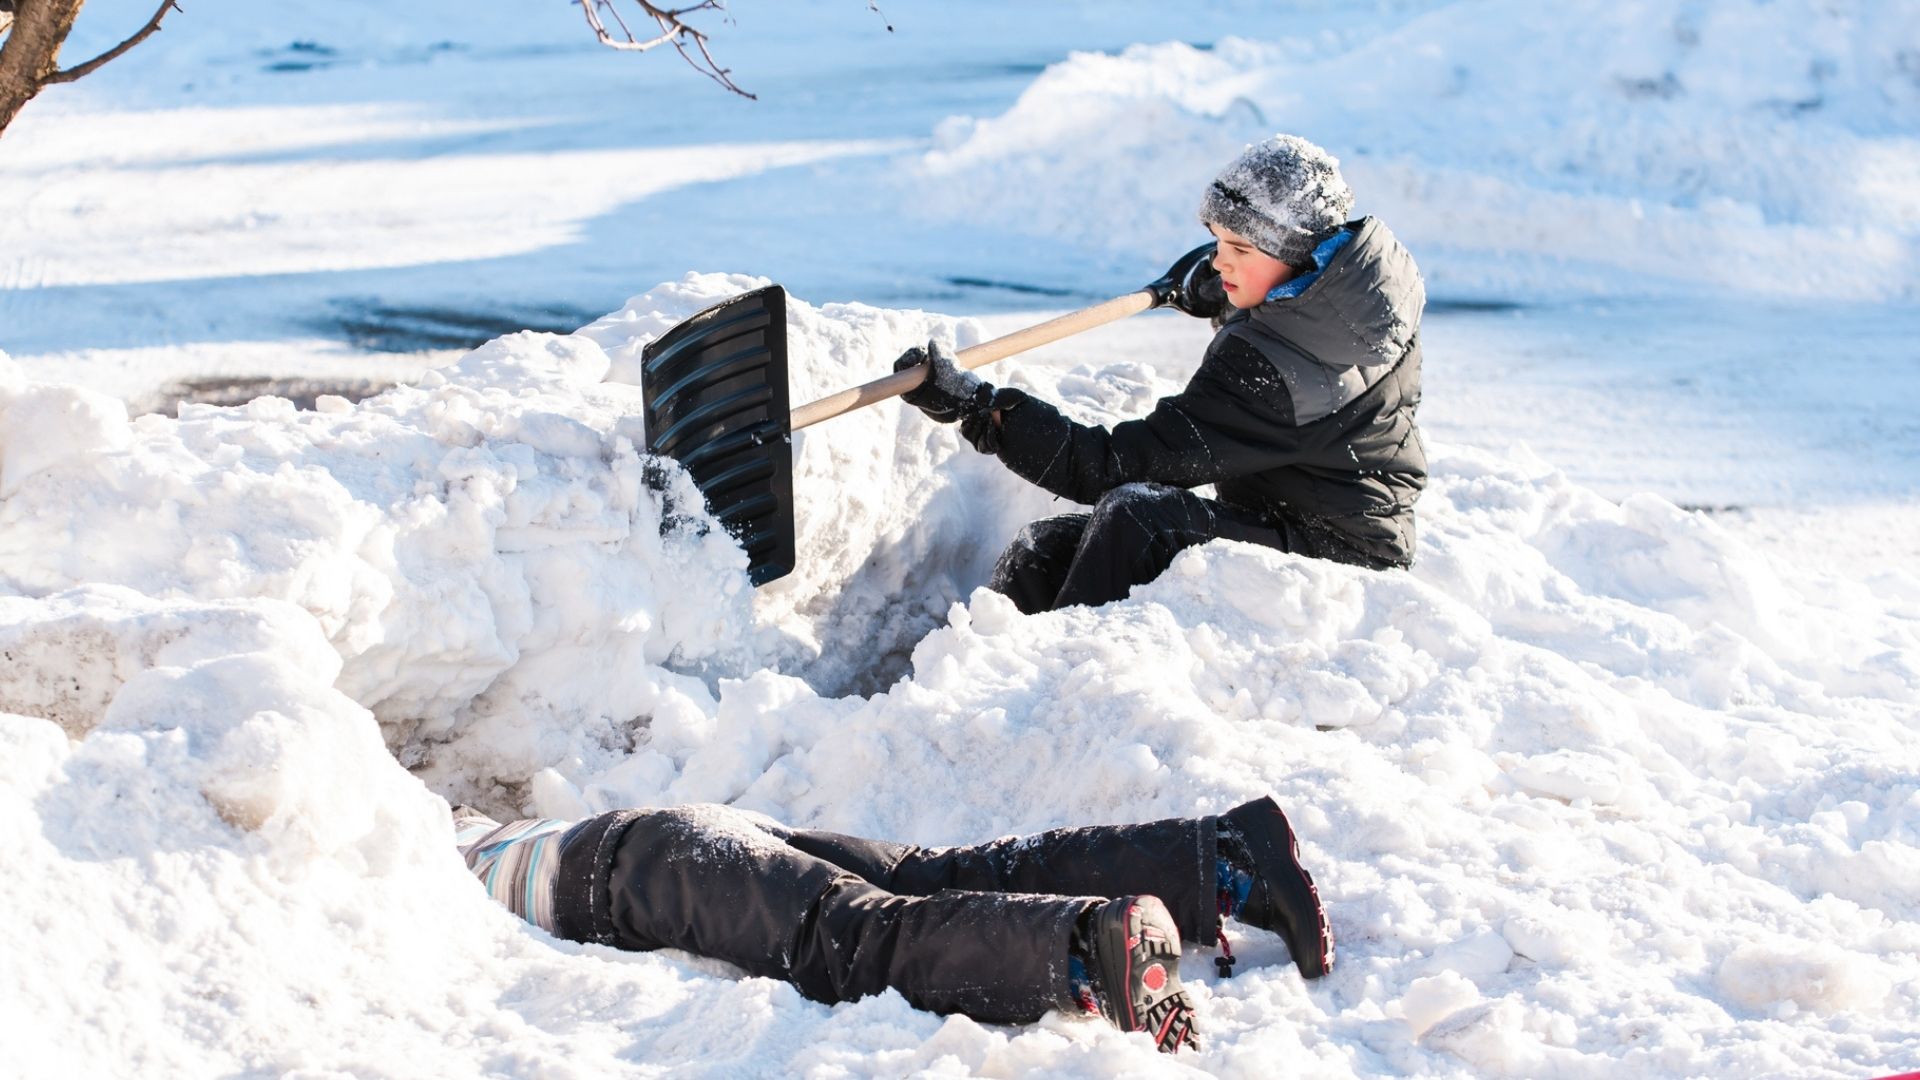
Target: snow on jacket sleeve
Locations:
point(1234, 418)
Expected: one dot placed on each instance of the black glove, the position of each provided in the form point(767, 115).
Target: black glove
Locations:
point(977, 425)
point(948, 392)
point(1192, 285)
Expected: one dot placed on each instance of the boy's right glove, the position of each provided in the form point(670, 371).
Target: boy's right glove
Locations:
point(1192, 285)
point(948, 393)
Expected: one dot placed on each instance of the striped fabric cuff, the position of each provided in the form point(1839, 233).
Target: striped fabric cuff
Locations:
point(517, 862)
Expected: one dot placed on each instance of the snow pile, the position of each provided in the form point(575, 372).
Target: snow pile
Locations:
point(486, 550)
point(1534, 859)
point(225, 821)
point(1771, 147)
point(227, 874)
point(1595, 788)
point(476, 548)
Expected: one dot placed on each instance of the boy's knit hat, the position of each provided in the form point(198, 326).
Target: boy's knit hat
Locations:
point(1285, 194)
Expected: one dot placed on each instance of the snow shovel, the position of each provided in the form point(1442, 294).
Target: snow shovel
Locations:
point(714, 390)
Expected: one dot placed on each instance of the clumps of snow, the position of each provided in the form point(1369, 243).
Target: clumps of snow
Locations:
point(1595, 787)
point(1760, 146)
point(44, 424)
point(1434, 998)
point(1782, 978)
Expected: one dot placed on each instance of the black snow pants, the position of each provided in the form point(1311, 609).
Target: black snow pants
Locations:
point(1132, 535)
point(981, 930)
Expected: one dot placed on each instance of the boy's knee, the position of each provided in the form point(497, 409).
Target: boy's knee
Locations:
point(1032, 567)
point(1048, 540)
point(1137, 493)
point(1143, 509)
point(1026, 543)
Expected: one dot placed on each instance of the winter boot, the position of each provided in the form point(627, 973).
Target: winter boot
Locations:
point(1132, 951)
point(1282, 898)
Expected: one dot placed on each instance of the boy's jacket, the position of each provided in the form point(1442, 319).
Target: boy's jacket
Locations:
point(1302, 411)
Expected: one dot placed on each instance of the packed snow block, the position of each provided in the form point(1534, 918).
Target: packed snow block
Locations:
point(232, 699)
point(66, 657)
point(1779, 979)
point(1434, 998)
point(1565, 775)
point(41, 426)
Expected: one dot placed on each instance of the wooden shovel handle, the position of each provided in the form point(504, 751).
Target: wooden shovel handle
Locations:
point(979, 355)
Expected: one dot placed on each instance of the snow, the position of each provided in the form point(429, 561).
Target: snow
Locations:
point(1603, 785)
point(1764, 146)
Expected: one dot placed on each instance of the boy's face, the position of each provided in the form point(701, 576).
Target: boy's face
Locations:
point(1248, 273)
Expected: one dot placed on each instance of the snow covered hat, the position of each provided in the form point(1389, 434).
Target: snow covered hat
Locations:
point(1286, 195)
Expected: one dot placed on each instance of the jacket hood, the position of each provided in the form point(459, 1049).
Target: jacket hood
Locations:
point(1362, 309)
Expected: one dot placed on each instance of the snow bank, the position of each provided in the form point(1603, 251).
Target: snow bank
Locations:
point(1520, 148)
point(225, 873)
point(1594, 789)
point(458, 542)
point(198, 816)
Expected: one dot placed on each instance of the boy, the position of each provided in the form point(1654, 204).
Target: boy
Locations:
point(1002, 931)
point(1301, 414)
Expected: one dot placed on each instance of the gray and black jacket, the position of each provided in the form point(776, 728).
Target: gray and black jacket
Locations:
point(1302, 411)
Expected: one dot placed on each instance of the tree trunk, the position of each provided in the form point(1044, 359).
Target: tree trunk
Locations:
point(31, 53)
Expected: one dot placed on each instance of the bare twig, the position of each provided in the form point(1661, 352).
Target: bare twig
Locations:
point(631, 44)
point(673, 31)
point(145, 32)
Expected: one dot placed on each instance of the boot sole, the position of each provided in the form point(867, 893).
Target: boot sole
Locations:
point(1139, 956)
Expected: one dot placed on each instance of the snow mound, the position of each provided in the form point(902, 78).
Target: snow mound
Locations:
point(474, 545)
point(1595, 788)
point(227, 873)
point(1761, 146)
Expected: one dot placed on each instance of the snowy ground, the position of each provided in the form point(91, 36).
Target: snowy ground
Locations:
point(1623, 777)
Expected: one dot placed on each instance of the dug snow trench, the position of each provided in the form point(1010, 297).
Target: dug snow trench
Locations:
point(1583, 790)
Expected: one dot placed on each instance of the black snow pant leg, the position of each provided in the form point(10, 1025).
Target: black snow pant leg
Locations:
point(1172, 859)
point(1132, 535)
point(724, 883)
point(1032, 569)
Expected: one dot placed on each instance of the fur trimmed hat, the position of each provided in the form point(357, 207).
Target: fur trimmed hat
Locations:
point(1286, 195)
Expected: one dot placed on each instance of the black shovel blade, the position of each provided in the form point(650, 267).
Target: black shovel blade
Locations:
point(715, 393)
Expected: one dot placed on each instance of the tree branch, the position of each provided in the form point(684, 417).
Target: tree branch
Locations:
point(673, 31)
point(145, 32)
